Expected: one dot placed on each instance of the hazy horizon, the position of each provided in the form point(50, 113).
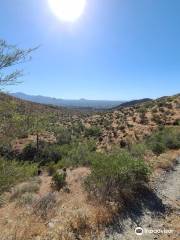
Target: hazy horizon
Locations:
point(75, 99)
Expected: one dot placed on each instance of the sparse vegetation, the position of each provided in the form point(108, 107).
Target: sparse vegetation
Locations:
point(19, 191)
point(110, 152)
point(92, 132)
point(12, 172)
point(138, 150)
point(25, 199)
point(167, 138)
point(116, 176)
point(58, 181)
point(45, 205)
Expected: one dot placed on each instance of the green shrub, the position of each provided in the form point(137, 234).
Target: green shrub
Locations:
point(49, 153)
point(58, 181)
point(51, 169)
point(166, 138)
point(12, 172)
point(92, 132)
point(6, 151)
point(138, 150)
point(28, 153)
point(158, 147)
point(80, 154)
point(161, 103)
point(142, 110)
point(116, 175)
point(77, 128)
point(172, 138)
point(177, 122)
point(63, 136)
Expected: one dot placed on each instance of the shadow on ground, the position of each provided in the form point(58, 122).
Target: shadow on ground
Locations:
point(146, 203)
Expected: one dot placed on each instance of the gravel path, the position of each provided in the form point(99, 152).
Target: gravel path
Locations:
point(169, 188)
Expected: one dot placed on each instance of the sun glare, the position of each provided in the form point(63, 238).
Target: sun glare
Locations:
point(67, 10)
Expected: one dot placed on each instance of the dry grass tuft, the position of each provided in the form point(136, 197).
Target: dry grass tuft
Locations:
point(24, 228)
point(18, 191)
point(44, 206)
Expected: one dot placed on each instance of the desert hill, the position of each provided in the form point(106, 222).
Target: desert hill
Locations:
point(71, 174)
point(129, 124)
point(120, 126)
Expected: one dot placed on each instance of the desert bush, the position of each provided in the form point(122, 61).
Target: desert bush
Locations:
point(177, 122)
point(157, 147)
point(142, 110)
point(138, 150)
point(80, 155)
point(77, 128)
point(25, 199)
point(51, 168)
point(6, 151)
point(44, 205)
point(149, 104)
point(169, 105)
point(24, 188)
point(114, 176)
point(92, 132)
point(13, 172)
point(49, 153)
point(36, 180)
point(166, 138)
point(58, 181)
point(157, 119)
point(2, 201)
point(143, 118)
point(63, 136)
point(161, 103)
point(80, 223)
point(172, 138)
point(29, 153)
point(154, 110)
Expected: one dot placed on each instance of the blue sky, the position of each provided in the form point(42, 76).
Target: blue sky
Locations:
point(118, 49)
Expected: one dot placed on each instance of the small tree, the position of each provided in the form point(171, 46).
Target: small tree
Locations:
point(10, 56)
point(38, 127)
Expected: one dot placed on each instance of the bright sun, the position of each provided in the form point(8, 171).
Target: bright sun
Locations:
point(67, 10)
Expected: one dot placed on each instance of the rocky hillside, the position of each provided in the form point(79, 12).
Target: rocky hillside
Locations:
point(120, 126)
point(129, 124)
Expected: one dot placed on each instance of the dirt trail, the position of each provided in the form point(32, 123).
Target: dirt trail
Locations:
point(169, 188)
point(160, 210)
point(45, 186)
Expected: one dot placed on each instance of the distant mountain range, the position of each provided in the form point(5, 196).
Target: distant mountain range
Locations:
point(134, 102)
point(81, 103)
